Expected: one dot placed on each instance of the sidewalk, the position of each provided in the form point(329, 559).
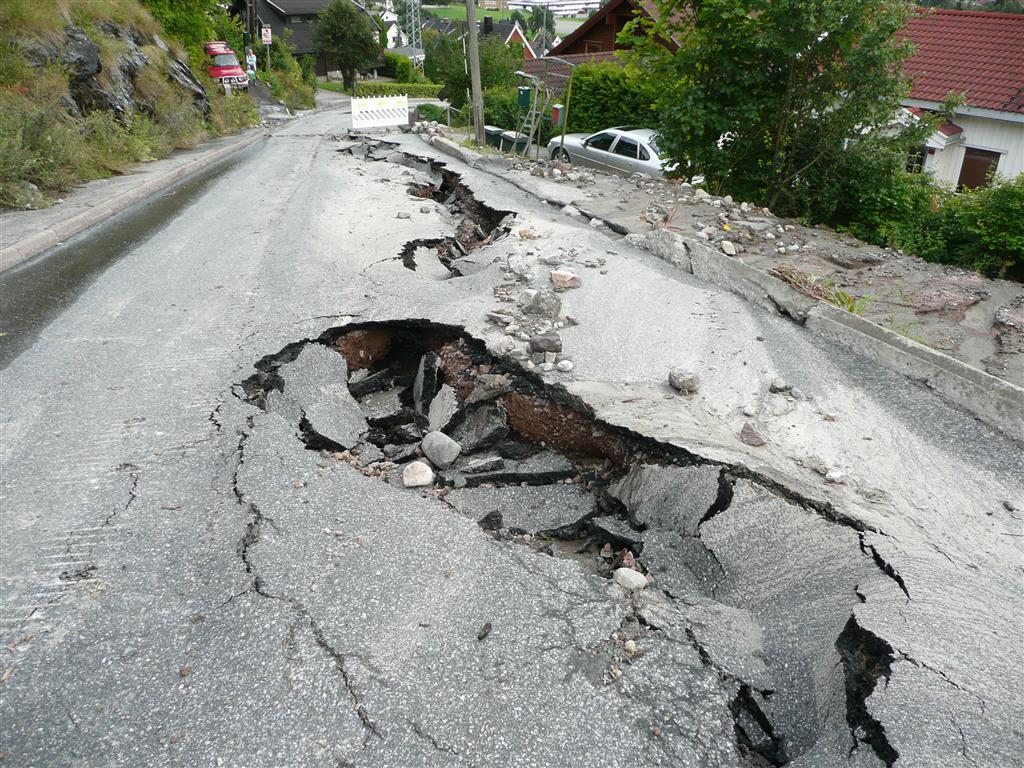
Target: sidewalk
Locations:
point(24, 234)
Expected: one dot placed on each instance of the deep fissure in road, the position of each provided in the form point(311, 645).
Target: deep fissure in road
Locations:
point(478, 224)
point(425, 406)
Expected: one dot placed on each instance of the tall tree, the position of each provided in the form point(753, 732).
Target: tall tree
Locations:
point(446, 64)
point(541, 19)
point(346, 37)
point(763, 96)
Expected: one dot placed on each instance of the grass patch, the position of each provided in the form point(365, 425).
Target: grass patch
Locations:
point(333, 86)
point(821, 289)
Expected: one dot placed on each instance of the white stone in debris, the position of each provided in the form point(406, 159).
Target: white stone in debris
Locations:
point(440, 449)
point(571, 210)
point(749, 410)
point(835, 476)
point(563, 279)
point(565, 366)
point(769, 236)
point(550, 357)
point(596, 223)
point(701, 194)
point(629, 579)
point(403, 215)
point(417, 474)
point(547, 367)
point(728, 248)
point(794, 248)
point(685, 380)
point(518, 265)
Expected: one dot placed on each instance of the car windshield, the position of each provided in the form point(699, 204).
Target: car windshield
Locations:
point(225, 60)
point(653, 144)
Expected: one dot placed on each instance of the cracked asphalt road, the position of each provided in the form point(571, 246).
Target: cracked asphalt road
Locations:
point(183, 582)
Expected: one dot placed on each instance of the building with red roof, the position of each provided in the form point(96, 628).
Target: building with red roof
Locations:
point(980, 56)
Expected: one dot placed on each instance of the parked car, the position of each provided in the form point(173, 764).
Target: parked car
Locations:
point(626, 149)
point(223, 65)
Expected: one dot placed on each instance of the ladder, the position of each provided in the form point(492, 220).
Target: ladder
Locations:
point(532, 119)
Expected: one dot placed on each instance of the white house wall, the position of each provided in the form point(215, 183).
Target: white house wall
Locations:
point(1001, 136)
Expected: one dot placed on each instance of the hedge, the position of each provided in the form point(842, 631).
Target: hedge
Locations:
point(412, 90)
point(605, 94)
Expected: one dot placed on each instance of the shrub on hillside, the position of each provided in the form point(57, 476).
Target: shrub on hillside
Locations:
point(981, 229)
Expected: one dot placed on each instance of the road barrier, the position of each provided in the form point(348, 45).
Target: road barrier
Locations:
point(380, 111)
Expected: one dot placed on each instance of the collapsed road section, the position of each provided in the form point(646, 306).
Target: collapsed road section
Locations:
point(760, 584)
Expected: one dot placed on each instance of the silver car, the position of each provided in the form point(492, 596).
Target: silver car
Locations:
point(625, 149)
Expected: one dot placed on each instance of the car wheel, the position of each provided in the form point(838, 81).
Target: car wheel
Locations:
point(559, 155)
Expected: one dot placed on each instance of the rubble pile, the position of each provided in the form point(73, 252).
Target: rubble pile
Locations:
point(429, 128)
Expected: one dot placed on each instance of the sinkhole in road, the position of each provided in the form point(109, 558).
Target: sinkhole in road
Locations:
point(768, 582)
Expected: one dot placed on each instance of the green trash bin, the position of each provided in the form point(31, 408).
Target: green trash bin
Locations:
point(493, 136)
point(525, 96)
point(512, 141)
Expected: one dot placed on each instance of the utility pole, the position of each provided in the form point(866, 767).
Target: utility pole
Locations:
point(474, 72)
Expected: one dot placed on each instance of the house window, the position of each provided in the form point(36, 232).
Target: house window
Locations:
point(915, 162)
point(589, 46)
point(977, 168)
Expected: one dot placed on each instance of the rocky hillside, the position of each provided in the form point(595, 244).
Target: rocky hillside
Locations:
point(89, 89)
point(120, 87)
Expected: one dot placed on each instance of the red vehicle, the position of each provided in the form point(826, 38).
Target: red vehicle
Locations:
point(224, 67)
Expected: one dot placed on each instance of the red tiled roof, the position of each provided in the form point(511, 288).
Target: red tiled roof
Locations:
point(972, 52)
point(555, 70)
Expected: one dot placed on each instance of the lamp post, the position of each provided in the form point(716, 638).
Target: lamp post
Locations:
point(568, 100)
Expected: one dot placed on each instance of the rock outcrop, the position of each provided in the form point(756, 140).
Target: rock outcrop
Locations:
point(93, 86)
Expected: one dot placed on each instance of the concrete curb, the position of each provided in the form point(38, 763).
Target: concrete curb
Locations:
point(449, 147)
point(992, 400)
point(36, 243)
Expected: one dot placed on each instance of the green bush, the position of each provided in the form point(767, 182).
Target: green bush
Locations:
point(412, 90)
point(404, 72)
point(981, 229)
point(605, 94)
point(287, 80)
point(432, 112)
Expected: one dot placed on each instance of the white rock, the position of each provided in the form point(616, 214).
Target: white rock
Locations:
point(627, 578)
point(416, 474)
point(565, 366)
point(440, 449)
point(547, 367)
point(685, 380)
point(550, 357)
point(835, 476)
point(749, 410)
point(728, 248)
point(630, 647)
